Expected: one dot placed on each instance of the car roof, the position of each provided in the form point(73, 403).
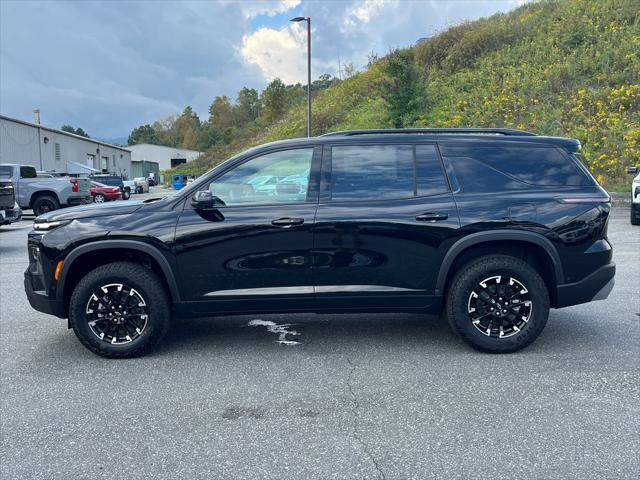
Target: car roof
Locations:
point(450, 137)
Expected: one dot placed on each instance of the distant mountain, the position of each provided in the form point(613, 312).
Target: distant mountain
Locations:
point(122, 141)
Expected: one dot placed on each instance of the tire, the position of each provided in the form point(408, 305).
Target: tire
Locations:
point(635, 214)
point(494, 270)
point(126, 194)
point(138, 190)
point(44, 204)
point(99, 198)
point(139, 285)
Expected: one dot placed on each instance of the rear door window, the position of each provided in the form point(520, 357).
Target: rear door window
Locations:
point(430, 177)
point(518, 166)
point(360, 172)
point(28, 172)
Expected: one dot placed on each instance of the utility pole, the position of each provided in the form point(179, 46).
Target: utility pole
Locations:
point(308, 20)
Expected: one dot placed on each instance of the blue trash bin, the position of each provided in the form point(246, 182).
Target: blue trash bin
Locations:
point(178, 181)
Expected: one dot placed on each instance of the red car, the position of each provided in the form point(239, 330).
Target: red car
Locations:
point(103, 193)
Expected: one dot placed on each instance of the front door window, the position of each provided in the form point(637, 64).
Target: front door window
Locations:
point(274, 178)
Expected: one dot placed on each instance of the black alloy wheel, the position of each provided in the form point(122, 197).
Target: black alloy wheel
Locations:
point(117, 313)
point(499, 306)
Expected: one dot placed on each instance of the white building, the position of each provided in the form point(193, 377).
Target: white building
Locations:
point(48, 149)
point(166, 157)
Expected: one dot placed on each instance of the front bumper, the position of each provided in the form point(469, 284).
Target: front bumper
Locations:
point(595, 286)
point(40, 301)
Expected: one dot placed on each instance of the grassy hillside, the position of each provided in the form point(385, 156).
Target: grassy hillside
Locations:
point(568, 68)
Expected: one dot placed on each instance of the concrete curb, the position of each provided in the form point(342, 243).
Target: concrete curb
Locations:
point(620, 199)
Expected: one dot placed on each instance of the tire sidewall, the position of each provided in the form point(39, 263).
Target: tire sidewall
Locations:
point(469, 278)
point(157, 311)
point(38, 203)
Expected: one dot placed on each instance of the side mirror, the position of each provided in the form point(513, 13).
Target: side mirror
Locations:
point(205, 200)
point(633, 170)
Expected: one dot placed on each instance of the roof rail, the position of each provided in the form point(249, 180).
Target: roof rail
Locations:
point(459, 131)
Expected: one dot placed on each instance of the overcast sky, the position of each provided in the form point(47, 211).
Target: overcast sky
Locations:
point(110, 66)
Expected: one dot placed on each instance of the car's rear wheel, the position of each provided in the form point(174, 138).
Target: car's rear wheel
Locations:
point(119, 310)
point(498, 303)
point(44, 204)
point(99, 198)
point(635, 214)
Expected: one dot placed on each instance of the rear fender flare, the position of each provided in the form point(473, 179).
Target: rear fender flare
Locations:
point(498, 235)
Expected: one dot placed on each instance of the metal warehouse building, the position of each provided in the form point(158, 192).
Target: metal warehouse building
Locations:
point(166, 157)
point(48, 149)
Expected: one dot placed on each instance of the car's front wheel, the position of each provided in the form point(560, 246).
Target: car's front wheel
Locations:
point(119, 310)
point(99, 198)
point(497, 303)
point(126, 194)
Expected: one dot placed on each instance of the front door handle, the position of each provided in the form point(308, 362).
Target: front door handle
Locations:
point(431, 217)
point(287, 222)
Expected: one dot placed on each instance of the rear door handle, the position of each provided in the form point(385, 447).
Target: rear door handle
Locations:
point(431, 217)
point(287, 222)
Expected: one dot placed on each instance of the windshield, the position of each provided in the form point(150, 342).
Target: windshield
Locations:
point(6, 171)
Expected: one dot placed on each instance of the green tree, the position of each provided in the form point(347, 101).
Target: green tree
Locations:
point(247, 105)
point(274, 100)
point(143, 134)
point(208, 136)
point(221, 114)
point(400, 89)
point(75, 131)
point(188, 129)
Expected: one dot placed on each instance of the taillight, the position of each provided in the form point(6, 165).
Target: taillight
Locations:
point(74, 185)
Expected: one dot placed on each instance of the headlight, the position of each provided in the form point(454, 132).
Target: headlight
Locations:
point(46, 226)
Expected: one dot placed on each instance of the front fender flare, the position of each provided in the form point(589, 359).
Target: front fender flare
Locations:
point(137, 245)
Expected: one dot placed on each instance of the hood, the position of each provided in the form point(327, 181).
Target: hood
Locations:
point(92, 210)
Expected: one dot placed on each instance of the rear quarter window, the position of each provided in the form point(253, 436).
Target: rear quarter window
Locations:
point(513, 167)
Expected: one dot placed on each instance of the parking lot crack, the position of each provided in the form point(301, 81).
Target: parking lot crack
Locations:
point(355, 409)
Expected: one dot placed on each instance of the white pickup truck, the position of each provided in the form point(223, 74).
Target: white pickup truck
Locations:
point(45, 194)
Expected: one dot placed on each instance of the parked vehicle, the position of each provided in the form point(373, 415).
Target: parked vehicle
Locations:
point(104, 193)
point(142, 185)
point(10, 215)
point(151, 181)
point(491, 227)
point(635, 195)
point(46, 193)
point(114, 181)
point(130, 186)
point(8, 211)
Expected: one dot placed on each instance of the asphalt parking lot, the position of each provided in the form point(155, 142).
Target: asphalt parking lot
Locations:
point(359, 396)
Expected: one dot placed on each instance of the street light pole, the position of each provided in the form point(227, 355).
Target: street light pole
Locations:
point(308, 20)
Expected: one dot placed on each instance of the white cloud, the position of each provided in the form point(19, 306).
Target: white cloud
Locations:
point(364, 12)
point(278, 53)
point(270, 8)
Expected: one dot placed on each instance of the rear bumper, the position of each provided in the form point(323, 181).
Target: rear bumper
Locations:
point(10, 215)
point(596, 286)
point(40, 301)
point(83, 200)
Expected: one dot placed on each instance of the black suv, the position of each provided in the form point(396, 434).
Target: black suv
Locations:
point(491, 227)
